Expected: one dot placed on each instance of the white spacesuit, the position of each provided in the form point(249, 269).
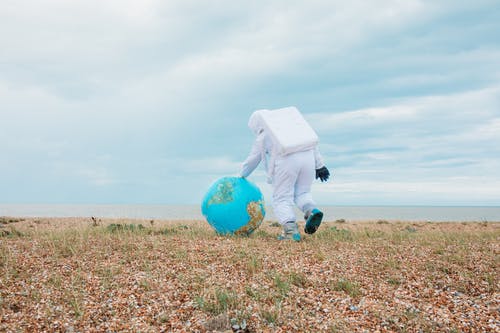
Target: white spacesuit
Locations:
point(291, 176)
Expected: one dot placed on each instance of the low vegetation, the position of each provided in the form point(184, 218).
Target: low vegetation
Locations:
point(150, 276)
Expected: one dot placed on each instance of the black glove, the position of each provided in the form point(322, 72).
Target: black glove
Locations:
point(323, 174)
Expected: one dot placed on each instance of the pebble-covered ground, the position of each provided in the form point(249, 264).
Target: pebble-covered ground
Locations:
point(93, 275)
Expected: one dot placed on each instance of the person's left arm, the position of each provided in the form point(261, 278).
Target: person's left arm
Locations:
point(321, 170)
point(318, 159)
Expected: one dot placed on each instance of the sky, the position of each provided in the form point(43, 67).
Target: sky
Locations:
point(147, 102)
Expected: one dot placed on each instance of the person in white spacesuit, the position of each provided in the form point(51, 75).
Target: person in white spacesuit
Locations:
point(291, 177)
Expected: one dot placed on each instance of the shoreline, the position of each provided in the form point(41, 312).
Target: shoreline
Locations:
point(34, 224)
point(29, 222)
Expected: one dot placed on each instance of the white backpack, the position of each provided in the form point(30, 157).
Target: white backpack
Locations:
point(289, 131)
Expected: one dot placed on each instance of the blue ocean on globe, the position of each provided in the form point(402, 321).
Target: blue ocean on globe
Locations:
point(233, 205)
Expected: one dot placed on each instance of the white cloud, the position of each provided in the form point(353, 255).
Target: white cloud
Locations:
point(96, 34)
point(221, 165)
point(444, 191)
point(45, 29)
point(365, 117)
point(96, 176)
point(435, 149)
point(466, 108)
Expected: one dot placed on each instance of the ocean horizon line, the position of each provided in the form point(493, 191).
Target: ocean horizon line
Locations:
point(193, 212)
point(191, 204)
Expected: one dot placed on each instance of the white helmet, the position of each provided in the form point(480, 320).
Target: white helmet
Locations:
point(255, 123)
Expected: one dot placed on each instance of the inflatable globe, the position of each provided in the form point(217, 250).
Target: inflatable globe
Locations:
point(233, 205)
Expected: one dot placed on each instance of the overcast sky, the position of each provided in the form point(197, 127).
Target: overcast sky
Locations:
point(147, 101)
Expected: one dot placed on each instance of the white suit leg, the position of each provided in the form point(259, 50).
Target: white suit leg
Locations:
point(292, 181)
point(285, 176)
point(303, 197)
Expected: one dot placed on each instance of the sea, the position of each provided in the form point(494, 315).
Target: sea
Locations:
point(193, 212)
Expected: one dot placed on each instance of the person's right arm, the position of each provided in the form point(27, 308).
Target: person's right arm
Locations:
point(254, 157)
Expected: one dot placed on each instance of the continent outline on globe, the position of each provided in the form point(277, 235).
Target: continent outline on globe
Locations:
point(224, 193)
point(256, 217)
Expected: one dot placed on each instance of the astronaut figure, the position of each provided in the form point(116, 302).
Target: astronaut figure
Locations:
point(291, 176)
